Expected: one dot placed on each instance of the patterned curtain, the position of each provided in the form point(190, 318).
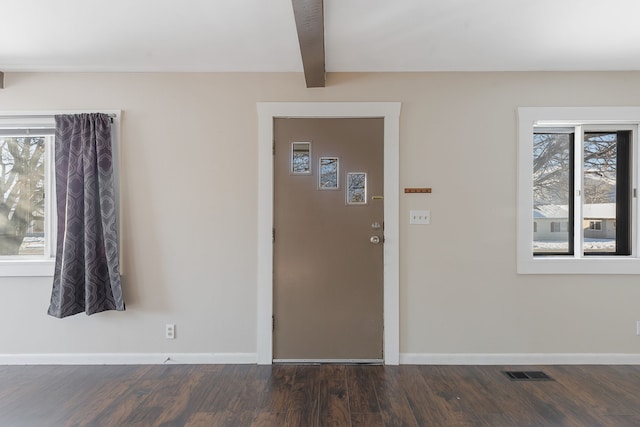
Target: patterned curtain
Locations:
point(87, 276)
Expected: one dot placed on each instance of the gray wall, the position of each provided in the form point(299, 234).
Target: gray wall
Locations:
point(188, 174)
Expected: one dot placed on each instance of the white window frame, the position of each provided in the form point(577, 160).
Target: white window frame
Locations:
point(527, 263)
point(44, 266)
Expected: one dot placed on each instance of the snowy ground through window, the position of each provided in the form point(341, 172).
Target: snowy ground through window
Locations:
point(590, 245)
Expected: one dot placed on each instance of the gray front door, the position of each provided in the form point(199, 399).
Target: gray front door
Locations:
point(328, 239)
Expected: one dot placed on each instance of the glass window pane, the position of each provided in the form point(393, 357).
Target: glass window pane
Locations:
point(356, 188)
point(22, 216)
point(600, 183)
point(551, 193)
point(301, 158)
point(328, 176)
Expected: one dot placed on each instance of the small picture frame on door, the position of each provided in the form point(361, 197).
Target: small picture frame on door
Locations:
point(300, 158)
point(328, 168)
point(356, 188)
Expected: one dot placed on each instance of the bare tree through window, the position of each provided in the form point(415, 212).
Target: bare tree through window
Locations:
point(22, 161)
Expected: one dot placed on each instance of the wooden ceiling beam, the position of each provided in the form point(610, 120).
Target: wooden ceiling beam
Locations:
point(309, 15)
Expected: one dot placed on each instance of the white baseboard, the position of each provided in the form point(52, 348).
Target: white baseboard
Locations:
point(519, 359)
point(332, 361)
point(252, 358)
point(129, 359)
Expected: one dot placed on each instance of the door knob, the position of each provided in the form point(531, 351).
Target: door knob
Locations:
point(375, 240)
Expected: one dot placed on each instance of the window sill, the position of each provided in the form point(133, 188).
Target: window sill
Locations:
point(590, 265)
point(27, 268)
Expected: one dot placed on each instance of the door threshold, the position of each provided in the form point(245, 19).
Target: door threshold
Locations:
point(329, 361)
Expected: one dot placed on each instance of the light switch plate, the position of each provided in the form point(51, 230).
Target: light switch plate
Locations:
point(420, 217)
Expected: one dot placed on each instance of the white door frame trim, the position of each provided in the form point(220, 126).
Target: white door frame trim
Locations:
point(390, 111)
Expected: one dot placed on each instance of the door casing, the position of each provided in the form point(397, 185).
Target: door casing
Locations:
point(390, 111)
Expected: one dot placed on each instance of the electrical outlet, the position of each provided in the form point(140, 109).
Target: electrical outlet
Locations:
point(170, 331)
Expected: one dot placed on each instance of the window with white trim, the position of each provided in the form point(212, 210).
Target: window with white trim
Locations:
point(577, 172)
point(27, 190)
point(26, 196)
point(22, 179)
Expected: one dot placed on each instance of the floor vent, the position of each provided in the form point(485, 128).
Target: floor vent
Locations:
point(527, 376)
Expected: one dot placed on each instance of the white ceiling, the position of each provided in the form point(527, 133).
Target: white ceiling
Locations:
point(360, 35)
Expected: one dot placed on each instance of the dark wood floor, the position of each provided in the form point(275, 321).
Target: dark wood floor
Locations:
point(328, 395)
